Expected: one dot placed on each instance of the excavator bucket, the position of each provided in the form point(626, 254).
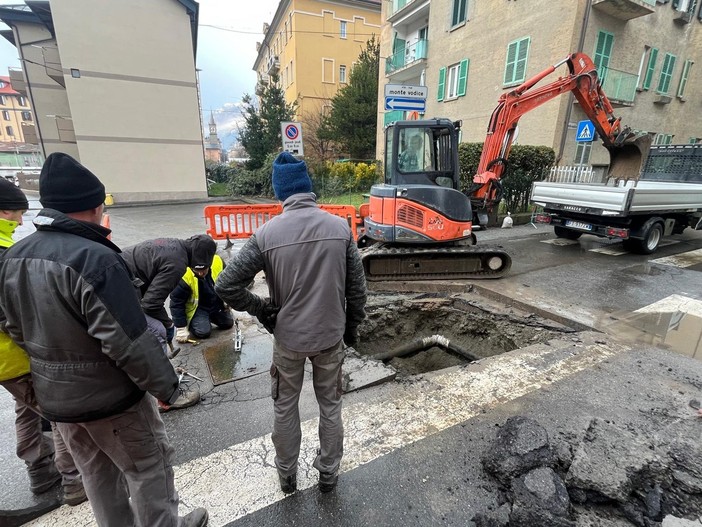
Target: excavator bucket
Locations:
point(627, 156)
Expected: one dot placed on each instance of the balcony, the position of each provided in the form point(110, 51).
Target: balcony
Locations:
point(17, 80)
point(407, 62)
point(625, 9)
point(52, 64)
point(273, 66)
point(619, 86)
point(407, 12)
point(393, 116)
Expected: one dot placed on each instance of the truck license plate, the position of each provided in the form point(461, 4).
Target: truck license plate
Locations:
point(578, 225)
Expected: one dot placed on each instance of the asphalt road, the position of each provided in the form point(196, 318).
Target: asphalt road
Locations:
point(413, 448)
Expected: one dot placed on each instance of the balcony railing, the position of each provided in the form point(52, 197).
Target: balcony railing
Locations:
point(625, 9)
point(619, 85)
point(406, 56)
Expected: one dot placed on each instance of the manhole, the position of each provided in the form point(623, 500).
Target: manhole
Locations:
point(481, 328)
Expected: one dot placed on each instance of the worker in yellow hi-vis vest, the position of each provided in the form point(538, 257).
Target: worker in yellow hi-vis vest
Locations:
point(195, 306)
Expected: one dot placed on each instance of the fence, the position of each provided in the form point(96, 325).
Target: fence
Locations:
point(571, 174)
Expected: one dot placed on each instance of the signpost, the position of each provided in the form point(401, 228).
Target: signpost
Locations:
point(399, 97)
point(585, 131)
point(292, 138)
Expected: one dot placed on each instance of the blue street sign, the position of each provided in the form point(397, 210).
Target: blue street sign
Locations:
point(585, 132)
point(405, 104)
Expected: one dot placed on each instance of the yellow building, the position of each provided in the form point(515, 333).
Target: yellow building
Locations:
point(16, 118)
point(311, 47)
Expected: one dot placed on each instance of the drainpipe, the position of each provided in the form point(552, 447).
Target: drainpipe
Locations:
point(569, 109)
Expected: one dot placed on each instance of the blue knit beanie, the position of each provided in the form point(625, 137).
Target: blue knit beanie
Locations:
point(290, 176)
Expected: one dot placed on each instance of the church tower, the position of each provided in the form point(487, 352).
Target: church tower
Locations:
point(213, 146)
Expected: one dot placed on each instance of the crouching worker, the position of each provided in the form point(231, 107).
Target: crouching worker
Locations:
point(195, 305)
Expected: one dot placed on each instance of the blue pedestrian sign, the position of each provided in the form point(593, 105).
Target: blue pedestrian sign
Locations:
point(585, 132)
point(405, 104)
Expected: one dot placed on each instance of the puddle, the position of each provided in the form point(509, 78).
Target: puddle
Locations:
point(677, 331)
point(395, 320)
point(226, 365)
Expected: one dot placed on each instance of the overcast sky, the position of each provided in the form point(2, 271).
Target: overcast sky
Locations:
point(225, 57)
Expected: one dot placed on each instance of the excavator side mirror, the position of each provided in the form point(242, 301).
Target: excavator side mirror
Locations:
point(457, 124)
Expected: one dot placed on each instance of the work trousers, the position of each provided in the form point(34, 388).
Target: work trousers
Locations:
point(33, 447)
point(201, 323)
point(159, 330)
point(125, 455)
point(287, 373)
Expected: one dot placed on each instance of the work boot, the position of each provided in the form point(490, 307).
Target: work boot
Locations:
point(197, 518)
point(288, 484)
point(74, 493)
point(44, 478)
point(327, 481)
point(185, 399)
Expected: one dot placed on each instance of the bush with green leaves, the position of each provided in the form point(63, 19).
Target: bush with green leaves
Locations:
point(525, 165)
point(257, 182)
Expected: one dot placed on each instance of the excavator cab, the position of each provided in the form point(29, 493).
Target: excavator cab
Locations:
point(419, 202)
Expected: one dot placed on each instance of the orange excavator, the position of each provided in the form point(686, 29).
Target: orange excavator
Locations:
point(420, 224)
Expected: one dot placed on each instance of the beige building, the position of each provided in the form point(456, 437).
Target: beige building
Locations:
point(17, 121)
point(113, 83)
point(469, 52)
point(311, 47)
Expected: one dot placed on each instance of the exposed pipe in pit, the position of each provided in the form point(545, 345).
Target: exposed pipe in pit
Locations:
point(424, 343)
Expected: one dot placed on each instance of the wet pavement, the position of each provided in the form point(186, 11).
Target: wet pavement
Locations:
point(413, 445)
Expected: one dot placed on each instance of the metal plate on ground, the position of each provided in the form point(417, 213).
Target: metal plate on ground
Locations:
point(226, 365)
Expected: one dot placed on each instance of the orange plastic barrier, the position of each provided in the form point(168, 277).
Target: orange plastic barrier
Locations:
point(241, 221)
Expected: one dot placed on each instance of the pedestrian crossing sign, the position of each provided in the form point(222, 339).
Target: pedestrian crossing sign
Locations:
point(586, 131)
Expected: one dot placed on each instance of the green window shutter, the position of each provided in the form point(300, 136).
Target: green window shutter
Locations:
point(603, 52)
point(683, 78)
point(650, 68)
point(442, 82)
point(511, 62)
point(522, 55)
point(666, 73)
point(463, 77)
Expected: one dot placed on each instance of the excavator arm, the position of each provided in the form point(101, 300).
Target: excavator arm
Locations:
point(583, 82)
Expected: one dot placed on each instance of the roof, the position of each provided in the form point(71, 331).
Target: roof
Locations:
point(6, 87)
point(7, 146)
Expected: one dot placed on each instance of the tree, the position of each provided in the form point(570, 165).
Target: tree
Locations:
point(318, 149)
point(260, 134)
point(353, 118)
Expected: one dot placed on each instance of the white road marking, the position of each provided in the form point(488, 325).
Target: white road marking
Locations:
point(618, 250)
point(686, 259)
point(674, 304)
point(241, 479)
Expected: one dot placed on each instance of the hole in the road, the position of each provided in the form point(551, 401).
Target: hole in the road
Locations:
point(484, 330)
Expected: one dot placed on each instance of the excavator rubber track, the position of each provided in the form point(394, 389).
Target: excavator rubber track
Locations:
point(383, 262)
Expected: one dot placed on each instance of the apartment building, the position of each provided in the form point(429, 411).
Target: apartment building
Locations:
point(113, 83)
point(310, 46)
point(17, 122)
point(469, 52)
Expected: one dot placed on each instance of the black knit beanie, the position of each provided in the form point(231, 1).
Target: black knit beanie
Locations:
point(202, 251)
point(11, 197)
point(67, 186)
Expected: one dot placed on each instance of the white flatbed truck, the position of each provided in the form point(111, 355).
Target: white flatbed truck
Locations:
point(665, 198)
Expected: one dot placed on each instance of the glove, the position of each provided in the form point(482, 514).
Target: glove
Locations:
point(268, 317)
point(351, 336)
point(182, 335)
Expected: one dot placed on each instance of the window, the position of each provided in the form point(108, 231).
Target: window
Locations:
point(459, 12)
point(10, 131)
point(6, 115)
point(2, 100)
point(342, 29)
point(517, 54)
point(327, 70)
point(285, 34)
point(289, 26)
point(683, 78)
point(75, 73)
point(666, 74)
point(22, 101)
point(650, 68)
point(603, 52)
point(452, 83)
point(663, 139)
point(342, 74)
point(292, 74)
point(583, 150)
point(27, 116)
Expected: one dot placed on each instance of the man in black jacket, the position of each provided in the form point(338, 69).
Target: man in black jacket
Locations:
point(68, 299)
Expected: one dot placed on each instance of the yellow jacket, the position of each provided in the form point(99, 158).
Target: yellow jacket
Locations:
point(14, 361)
point(191, 280)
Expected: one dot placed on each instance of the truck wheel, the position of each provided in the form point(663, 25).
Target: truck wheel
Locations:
point(649, 243)
point(562, 232)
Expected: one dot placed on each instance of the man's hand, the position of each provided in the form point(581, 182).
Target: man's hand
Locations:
point(182, 335)
point(268, 317)
point(351, 336)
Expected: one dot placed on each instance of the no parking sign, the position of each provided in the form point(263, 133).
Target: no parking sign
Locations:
point(292, 138)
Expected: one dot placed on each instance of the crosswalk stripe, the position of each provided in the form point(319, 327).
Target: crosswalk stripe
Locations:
point(241, 479)
point(674, 304)
point(618, 249)
point(686, 259)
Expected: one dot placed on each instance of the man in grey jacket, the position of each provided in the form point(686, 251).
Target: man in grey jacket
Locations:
point(317, 300)
point(68, 299)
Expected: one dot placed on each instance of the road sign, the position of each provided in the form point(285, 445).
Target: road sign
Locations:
point(585, 131)
point(406, 92)
point(405, 104)
point(292, 138)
